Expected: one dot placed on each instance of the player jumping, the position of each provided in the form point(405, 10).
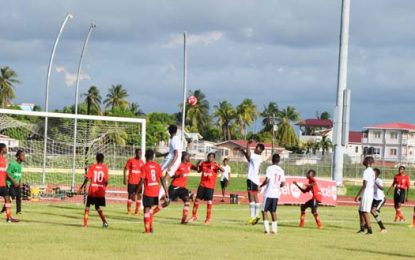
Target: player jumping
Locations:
point(133, 166)
point(314, 201)
point(274, 181)
point(365, 195)
point(151, 177)
point(206, 188)
point(4, 191)
point(254, 160)
point(378, 200)
point(401, 184)
point(98, 177)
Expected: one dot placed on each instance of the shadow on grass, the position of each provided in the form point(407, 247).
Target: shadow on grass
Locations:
point(51, 223)
point(378, 252)
point(65, 207)
point(61, 215)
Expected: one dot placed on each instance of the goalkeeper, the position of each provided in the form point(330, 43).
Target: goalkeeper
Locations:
point(14, 169)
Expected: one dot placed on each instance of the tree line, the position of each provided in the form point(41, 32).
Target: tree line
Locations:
point(221, 122)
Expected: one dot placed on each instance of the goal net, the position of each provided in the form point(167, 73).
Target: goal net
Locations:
point(58, 170)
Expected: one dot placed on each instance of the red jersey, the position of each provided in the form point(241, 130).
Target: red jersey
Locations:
point(3, 171)
point(184, 170)
point(98, 175)
point(209, 174)
point(401, 181)
point(151, 173)
point(133, 166)
point(314, 189)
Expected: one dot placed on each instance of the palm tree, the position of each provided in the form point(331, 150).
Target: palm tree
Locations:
point(286, 135)
point(8, 78)
point(325, 144)
point(225, 114)
point(197, 116)
point(268, 114)
point(93, 100)
point(135, 109)
point(246, 113)
point(289, 113)
point(116, 97)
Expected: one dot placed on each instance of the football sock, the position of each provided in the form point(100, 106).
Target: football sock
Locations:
point(101, 215)
point(157, 209)
point(399, 212)
point(396, 215)
point(8, 210)
point(185, 212)
point(317, 218)
point(302, 218)
point(86, 213)
point(147, 224)
point(209, 210)
point(252, 209)
point(379, 220)
point(129, 205)
point(369, 230)
point(151, 219)
point(195, 207)
point(257, 209)
point(137, 206)
point(274, 226)
point(266, 226)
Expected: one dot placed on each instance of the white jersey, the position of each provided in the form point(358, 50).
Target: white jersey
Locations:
point(369, 177)
point(175, 144)
point(275, 176)
point(253, 169)
point(378, 194)
point(225, 173)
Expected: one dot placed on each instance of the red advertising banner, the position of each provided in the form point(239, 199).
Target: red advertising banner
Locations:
point(290, 194)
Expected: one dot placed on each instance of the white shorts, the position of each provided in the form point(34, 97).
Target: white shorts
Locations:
point(173, 168)
point(366, 204)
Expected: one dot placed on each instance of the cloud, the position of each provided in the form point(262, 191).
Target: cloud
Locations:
point(195, 39)
point(70, 78)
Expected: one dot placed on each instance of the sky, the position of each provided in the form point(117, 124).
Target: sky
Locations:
point(285, 51)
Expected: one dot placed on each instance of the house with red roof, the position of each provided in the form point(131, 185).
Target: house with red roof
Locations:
point(354, 148)
point(230, 150)
point(391, 142)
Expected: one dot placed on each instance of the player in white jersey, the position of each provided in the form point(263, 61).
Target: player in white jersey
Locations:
point(274, 181)
point(365, 195)
point(378, 199)
point(172, 161)
point(225, 177)
point(254, 160)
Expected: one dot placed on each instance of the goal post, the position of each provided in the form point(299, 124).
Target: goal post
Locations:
point(117, 137)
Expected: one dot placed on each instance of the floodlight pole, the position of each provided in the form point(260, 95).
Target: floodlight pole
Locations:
point(339, 147)
point(75, 131)
point(52, 56)
point(184, 84)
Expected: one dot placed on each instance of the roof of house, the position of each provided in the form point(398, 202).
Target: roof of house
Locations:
point(355, 137)
point(243, 143)
point(394, 126)
point(316, 123)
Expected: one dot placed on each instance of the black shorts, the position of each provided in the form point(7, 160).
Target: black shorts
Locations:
point(132, 188)
point(4, 191)
point(251, 186)
point(224, 183)
point(98, 202)
point(178, 192)
point(378, 204)
point(15, 192)
point(149, 202)
point(399, 196)
point(270, 205)
point(204, 193)
point(313, 204)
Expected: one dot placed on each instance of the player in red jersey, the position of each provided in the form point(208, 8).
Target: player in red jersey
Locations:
point(314, 201)
point(4, 191)
point(98, 177)
point(133, 166)
point(151, 177)
point(209, 170)
point(401, 184)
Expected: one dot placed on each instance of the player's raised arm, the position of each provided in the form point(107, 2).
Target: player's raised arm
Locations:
point(299, 187)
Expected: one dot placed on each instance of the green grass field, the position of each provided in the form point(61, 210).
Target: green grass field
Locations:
point(53, 231)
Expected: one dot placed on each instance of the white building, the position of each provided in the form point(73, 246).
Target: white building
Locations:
point(393, 142)
point(354, 148)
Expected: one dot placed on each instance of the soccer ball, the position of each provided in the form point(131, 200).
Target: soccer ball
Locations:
point(192, 100)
